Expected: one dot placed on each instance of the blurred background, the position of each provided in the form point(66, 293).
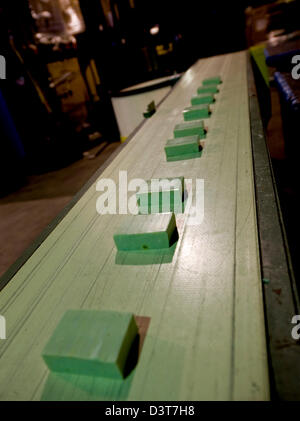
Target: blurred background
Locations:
point(81, 75)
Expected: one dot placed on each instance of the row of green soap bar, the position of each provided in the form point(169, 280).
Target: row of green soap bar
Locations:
point(155, 231)
point(97, 343)
point(200, 103)
point(186, 142)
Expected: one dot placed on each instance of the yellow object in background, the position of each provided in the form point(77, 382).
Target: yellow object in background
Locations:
point(70, 88)
point(93, 80)
point(161, 50)
point(257, 52)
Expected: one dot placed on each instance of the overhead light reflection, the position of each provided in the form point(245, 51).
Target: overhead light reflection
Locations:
point(154, 30)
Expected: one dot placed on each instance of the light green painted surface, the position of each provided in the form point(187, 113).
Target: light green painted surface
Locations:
point(206, 339)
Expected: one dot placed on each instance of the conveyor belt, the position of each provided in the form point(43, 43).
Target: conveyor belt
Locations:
point(206, 338)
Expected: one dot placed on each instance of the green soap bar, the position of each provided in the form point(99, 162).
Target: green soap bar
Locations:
point(146, 232)
point(212, 81)
point(190, 128)
point(161, 195)
point(213, 89)
point(91, 343)
point(202, 99)
point(182, 145)
point(195, 112)
point(185, 156)
point(183, 148)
